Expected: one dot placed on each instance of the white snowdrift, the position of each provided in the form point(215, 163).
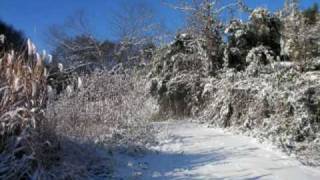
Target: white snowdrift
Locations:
point(192, 151)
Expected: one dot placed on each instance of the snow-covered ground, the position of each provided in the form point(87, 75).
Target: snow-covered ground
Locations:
point(192, 151)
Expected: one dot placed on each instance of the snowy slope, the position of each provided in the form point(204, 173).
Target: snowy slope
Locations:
point(192, 151)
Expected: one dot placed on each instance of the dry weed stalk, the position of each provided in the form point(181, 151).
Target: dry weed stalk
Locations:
point(25, 146)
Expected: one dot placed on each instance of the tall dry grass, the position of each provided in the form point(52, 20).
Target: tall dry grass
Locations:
point(45, 136)
point(26, 142)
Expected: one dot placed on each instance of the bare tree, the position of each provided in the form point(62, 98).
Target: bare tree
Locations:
point(74, 43)
point(203, 20)
point(132, 20)
point(136, 22)
point(138, 31)
point(202, 15)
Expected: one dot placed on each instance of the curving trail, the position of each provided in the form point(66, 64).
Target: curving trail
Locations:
point(192, 151)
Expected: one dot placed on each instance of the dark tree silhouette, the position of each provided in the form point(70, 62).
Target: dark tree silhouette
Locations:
point(311, 14)
point(14, 39)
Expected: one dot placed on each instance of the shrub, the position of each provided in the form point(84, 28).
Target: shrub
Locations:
point(107, 109)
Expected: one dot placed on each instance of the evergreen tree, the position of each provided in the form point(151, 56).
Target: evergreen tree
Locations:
point(311, 14)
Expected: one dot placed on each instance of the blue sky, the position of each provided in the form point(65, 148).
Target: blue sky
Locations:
point(34, 16)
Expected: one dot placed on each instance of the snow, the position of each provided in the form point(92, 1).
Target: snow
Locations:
point(191, 151)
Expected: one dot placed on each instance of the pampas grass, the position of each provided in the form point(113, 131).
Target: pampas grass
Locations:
point(46, 136)
point(25, 140)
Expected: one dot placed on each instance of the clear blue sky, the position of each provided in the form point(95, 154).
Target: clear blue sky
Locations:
point(34, 16)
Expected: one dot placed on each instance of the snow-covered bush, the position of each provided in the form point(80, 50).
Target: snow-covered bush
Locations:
point(109, 109)
point(258, 91)
point(300, 38)
point(281, 106)
point(176, 76)
point(44, 136)
point(262, 29)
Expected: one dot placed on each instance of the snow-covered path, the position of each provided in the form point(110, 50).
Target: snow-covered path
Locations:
point(191, 151)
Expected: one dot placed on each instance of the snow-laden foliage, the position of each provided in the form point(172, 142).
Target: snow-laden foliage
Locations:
point(176, 76)
point(262, 78)
point(265, 89)
point(281, 106)
point(299, 38)
point(111, 109)
point(45, 136)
